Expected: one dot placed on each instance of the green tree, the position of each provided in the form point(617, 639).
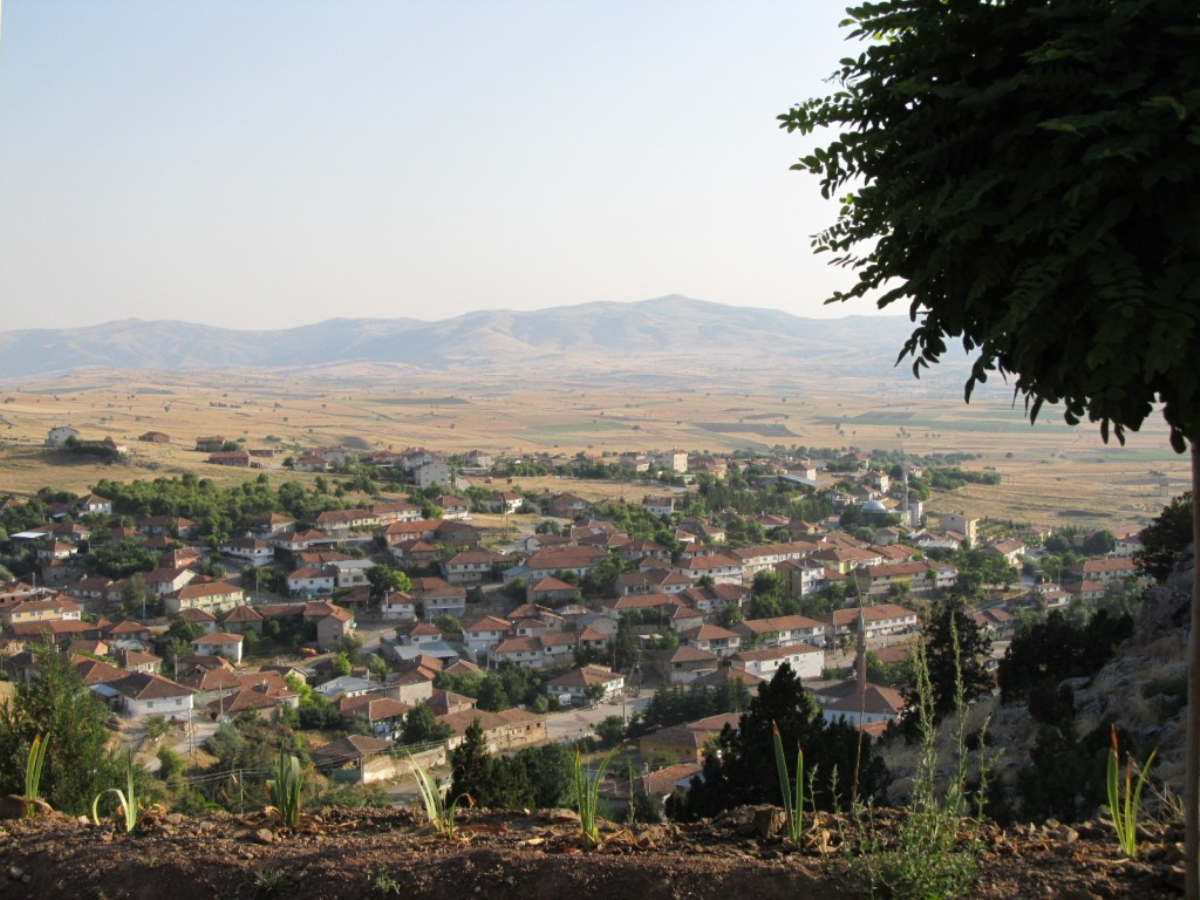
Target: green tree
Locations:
point(1099, 543)
point(470, 763)
point(1165, 539)
point(341, 666)
point(1027, 185)
point(78, 761)
point(624, 646)
point(385, 580)
point(743, 771)
point(611, 731)
point(492, 696)
point(422, 727)
point(137, 600)
point(954, 644)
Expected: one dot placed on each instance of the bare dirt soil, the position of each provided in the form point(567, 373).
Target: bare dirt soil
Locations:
point(342, 854)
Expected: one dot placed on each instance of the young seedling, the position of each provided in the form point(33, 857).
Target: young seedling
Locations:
point(33, 773)
point(587, 795)
point(284, 790)
point(793, 799)
point(437, 811)
point(127, 807)
point(1124, 809)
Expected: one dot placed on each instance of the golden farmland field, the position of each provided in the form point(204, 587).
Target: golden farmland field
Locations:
point(1052, 473)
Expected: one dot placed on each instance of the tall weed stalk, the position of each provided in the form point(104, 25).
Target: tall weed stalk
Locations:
point(934, 852)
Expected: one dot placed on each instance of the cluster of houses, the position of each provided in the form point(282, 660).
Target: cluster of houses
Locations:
point(681, 590)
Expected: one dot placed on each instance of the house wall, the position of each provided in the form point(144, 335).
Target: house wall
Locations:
point(161, 707)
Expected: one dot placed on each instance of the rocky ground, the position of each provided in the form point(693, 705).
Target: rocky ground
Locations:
point(344, 854)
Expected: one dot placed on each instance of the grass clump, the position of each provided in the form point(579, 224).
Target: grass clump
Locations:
point(270, 883)
point(933, 853)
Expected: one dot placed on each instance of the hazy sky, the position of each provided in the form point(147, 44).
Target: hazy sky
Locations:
point(267, 163)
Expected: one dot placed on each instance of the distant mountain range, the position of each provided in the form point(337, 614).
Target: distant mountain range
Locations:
point(664, 339)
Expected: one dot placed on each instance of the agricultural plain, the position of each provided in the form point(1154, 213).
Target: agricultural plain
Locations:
point(1052, 473)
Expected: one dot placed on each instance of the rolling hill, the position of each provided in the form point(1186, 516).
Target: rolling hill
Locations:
point(667, 339)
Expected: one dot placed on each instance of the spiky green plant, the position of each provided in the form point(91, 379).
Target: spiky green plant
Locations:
point(793, 798)
point(439, 813)
point(269, 883)
point(1125, 806)
point(285, 788)
point(127, 807)
point(33, 772)
point(587, 795)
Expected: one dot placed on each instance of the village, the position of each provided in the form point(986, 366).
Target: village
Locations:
point(409, 596)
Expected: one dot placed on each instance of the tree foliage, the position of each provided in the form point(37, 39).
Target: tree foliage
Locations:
point(533, 778)
point(1042, 656)
point(743, 771)
point(955, 647)
point(1029, 186)
point(1165, 539)
point(422, 727)
point(79, 763)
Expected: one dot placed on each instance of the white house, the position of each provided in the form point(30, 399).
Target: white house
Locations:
point(431, 473)
point(721, 569)
point(310, 581)
point(470, 566)
point(571, 688)
point(351, 573)
point(806, 661)
point(211, 596)
point(218, 643)
point(397, 605)
point(659, 506)
point(251, 550)
point(142, 694)
point(782, 631)
point(60, 434)
point(483, 633)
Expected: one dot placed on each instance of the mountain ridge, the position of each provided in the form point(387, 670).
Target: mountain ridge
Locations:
point(670, 334)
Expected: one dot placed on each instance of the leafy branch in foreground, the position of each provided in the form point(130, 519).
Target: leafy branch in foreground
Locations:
point(1124, 809)
point(793, 801)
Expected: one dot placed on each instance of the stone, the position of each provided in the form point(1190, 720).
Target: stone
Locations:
point(1066, 834)
point(769, 821)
